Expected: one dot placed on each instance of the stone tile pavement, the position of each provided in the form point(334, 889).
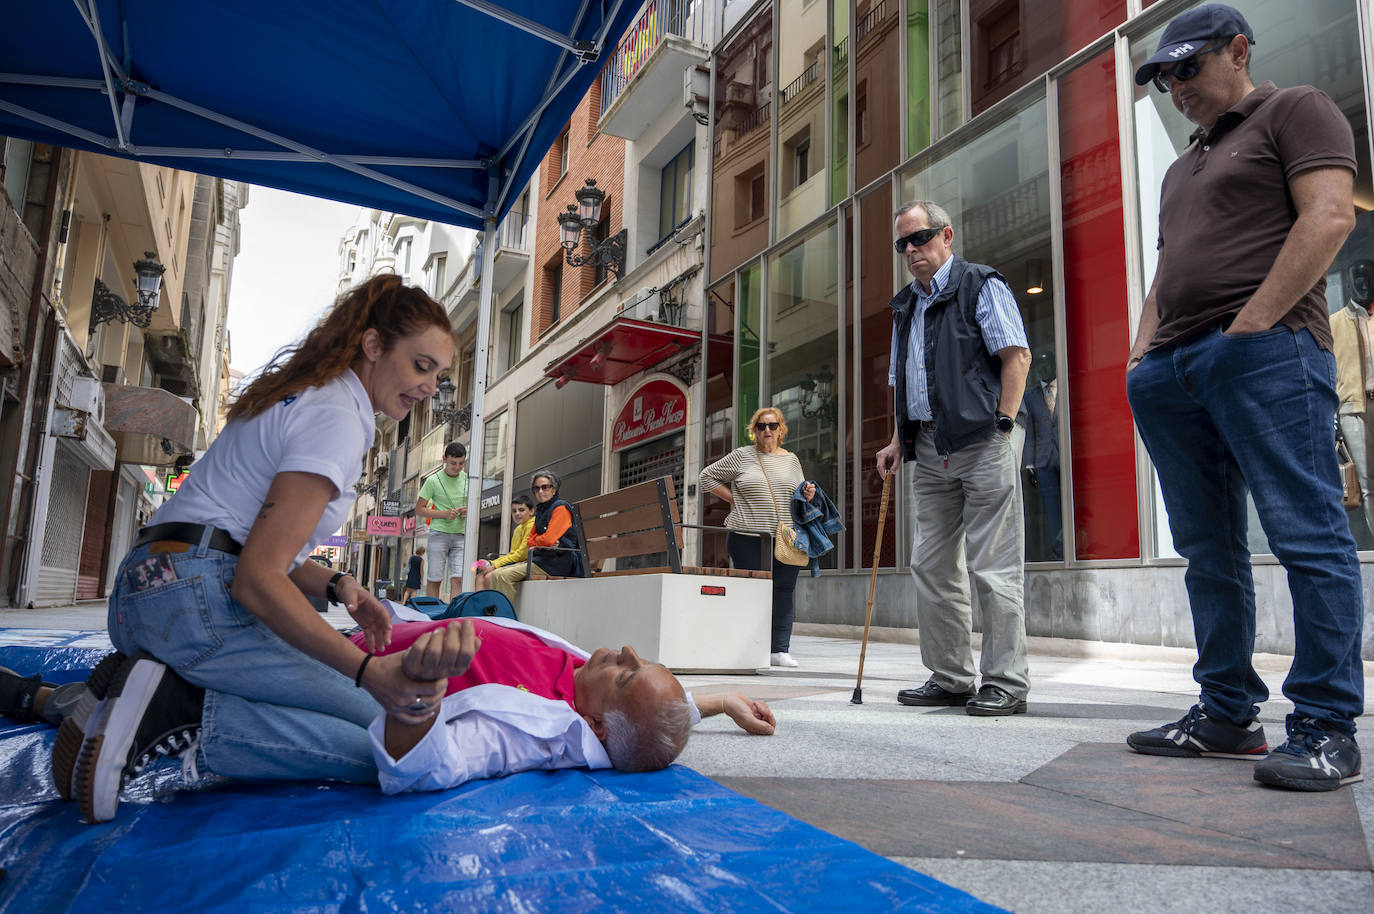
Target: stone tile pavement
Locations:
point(1042, 812)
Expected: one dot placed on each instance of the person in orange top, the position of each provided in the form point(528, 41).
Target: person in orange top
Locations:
point(553, 543)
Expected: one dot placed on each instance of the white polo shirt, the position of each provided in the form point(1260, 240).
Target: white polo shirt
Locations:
point(324, 430)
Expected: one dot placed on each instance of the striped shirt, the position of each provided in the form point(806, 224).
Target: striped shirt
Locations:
point(756, 509)
point(998, 319)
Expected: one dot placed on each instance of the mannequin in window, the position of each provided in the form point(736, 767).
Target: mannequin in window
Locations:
point(1040, 458)
point(1351, 337)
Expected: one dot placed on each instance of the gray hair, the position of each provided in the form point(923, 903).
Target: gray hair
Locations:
point(935, 213)
point(651, 744)
point(550, 475)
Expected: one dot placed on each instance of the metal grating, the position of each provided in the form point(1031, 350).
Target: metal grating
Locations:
point(61, 552)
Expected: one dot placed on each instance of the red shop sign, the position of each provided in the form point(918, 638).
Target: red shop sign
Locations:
point(655, 409)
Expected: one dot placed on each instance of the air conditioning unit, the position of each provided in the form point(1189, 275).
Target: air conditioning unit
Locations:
point(643, 305)
point(88, 396)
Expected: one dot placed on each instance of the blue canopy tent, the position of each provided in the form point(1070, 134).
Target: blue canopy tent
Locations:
point(439, 109)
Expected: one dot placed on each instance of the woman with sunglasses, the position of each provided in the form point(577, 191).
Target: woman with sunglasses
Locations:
point(757, 480)
point(554, 547)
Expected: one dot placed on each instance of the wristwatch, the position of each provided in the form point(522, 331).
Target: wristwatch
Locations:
point(330, 593)
point(1005, 423)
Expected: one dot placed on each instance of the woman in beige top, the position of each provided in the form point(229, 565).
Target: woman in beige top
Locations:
point(758, 480)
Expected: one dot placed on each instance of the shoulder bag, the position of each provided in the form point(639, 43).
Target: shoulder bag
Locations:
point(784, 537)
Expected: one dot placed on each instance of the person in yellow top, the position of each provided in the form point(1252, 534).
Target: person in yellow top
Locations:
point(522, 512)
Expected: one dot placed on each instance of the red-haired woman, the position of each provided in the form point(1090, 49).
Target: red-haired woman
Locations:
point(222, 661)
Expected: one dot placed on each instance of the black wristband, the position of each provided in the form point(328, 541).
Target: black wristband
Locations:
point(330, 593)
point(358, 680)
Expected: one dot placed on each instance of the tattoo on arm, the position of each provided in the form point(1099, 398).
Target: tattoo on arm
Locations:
point(265, 508)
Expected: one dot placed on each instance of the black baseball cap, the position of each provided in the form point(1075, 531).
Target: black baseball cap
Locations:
point(1187, 32)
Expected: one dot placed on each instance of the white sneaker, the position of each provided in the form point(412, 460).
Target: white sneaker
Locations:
point(782, 658)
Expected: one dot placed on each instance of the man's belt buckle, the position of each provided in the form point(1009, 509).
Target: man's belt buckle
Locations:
point(168, 546)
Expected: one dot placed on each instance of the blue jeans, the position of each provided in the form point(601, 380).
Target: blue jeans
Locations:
point(746, 552)
point(1222, 414)
point(270, 712)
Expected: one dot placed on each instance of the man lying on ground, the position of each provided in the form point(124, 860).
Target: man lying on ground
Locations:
point(520, 698)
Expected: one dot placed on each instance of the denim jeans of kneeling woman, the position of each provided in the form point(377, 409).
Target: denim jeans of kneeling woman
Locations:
point(271, 712)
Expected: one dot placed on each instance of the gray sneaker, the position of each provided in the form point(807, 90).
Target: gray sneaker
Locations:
point(1313, 758)
point(1196, 735)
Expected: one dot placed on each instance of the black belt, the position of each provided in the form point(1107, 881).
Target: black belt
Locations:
point(187, 533)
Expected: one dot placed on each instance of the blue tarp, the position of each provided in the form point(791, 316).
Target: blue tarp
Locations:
point(541, 841)
point(201, 85)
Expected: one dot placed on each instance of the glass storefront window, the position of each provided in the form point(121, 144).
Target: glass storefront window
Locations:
point(1317, 44)
point(839, 74)
point(749, 292)
point(996, 187)
point(1097, 324)
point(1014, 41)
point(803, 59)
point(878, 282)
point(917, 74)
point(877, 43)
point(719, 434)
point(949, 65)
point(740, 124)
point(804, 368)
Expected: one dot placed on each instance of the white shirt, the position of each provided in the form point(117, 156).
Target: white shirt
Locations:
point(492, 730)
point(324, 430)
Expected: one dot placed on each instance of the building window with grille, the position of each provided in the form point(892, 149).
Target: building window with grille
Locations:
point(675, 192)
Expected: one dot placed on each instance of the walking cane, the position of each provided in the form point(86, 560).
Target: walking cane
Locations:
point(858, 698)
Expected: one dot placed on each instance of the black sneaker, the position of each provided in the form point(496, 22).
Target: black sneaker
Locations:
point(1313, 758)
point(17, 694)
point(71, 733)
point(1198, 736)
point(149, 713)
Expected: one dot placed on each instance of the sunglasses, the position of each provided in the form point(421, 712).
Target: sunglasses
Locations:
point(1184, 70)
point(544, 488)
point(916, 238)
point(771, 426)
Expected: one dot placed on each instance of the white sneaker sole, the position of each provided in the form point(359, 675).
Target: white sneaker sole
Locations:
point(85, 718)
point(100, 769)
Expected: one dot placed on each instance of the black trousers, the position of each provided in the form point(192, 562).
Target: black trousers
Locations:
point(746, 553)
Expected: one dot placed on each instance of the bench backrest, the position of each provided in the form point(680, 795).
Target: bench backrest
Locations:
point(636, 520)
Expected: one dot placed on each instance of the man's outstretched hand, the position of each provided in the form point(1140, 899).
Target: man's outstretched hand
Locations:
point(442, 652)
point(752, 716)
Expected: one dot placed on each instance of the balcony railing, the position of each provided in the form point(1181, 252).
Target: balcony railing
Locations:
point(794, 88)
point(685, 18)
point(514, 232)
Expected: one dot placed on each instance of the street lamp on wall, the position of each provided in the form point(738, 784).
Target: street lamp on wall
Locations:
point(106, 305)
point(443, 408)
point(584, 217)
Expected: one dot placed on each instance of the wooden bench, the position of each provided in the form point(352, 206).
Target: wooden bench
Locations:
point(690, 619)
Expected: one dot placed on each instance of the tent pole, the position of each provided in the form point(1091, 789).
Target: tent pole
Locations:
point(476, 444)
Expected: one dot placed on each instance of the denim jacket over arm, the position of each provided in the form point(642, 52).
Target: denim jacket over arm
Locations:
point(815, 521)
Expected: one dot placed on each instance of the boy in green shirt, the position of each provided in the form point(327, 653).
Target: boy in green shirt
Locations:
point(443, 501)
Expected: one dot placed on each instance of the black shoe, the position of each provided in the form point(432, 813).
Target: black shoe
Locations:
point(149, 713)
point(1196, 735)
point(994, 701)
point(1313, 758)
point(932, 695)
point(71, 733)
point(17, 694)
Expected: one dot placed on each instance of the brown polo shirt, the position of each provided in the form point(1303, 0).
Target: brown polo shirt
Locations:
point(1225, 209)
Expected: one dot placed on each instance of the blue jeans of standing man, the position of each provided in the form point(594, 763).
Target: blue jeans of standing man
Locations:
point(270, 711)
point(1224, 414)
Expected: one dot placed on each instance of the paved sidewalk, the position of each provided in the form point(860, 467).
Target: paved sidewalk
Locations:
point(1042, 812)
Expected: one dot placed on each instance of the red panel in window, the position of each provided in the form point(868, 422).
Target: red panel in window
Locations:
point(1097, 319)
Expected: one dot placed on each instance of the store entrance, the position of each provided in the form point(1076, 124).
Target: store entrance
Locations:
point(661, 457)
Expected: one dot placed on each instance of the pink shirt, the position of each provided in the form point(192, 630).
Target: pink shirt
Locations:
point(507, 657)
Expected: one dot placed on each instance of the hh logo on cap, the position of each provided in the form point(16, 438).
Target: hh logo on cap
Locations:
point(1180, 50)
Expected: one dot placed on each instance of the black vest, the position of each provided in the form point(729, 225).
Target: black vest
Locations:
point(963, 378)
point(560, 564)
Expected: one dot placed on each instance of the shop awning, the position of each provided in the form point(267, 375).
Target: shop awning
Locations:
point(623, 348)
point(439, 109)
